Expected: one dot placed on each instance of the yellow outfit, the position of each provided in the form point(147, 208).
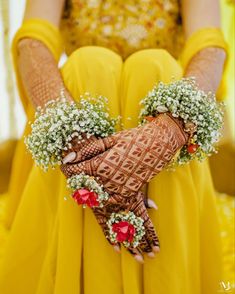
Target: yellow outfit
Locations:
point(57, 247)
point(123, 26)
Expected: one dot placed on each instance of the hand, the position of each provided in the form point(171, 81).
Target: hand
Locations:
point(89, 147)
point(134, 159)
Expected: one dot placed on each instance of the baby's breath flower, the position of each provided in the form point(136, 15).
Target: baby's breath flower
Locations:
point(53, 126)
point(184, 100)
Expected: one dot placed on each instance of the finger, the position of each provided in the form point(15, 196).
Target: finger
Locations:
point(115, 199)
point(152, 236)
point(151, 254)
point(136, 254)
point(139, 258)
point(151, 204)
point(101, 217)
point(69, 157)
point(94, 148)
point(77, 142)
point(145, 246)
point(88, 167)
point(156, 249)
point(140, 210)
point(117, 248)
point(70, 170)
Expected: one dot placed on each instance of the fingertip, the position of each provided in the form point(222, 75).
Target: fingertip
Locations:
point(156, 249)
point(69, 157)
point(152, 204)
point(151, 254)
point(117, 248)
point(139, 258)
point(75, 134)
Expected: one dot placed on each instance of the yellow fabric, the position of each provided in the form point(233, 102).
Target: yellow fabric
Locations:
point(43, 31)
point(7, 149)
point(21, 165)
point(124, 26)
point(228, 20)
point(57, 247)
point(47, 33)
point(3, 230)
point(226, 206)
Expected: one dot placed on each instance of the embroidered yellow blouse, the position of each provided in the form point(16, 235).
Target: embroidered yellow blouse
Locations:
point(124, 26)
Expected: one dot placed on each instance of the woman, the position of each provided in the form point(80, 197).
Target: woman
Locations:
point(55, 246)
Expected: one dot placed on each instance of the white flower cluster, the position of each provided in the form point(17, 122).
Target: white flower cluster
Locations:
point(184, 100)
point(53, 126)
point(85, 181)
point(131, 218)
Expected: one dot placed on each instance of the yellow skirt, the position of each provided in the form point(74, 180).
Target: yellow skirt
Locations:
point(57, 247)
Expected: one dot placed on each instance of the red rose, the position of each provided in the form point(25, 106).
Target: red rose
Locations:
point(192, 148)
point(84, 196)
point(125, 231)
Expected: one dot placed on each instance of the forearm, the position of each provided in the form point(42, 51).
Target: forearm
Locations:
point(207, 68)
point(207, 65)
point(39, 72)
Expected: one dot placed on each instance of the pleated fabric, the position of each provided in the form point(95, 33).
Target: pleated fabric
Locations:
point(55, 246)
point(44, 31)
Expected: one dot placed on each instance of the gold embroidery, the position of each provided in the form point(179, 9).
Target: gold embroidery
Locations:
point(124, 26)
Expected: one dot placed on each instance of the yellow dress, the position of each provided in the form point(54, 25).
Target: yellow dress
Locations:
point(55, 246)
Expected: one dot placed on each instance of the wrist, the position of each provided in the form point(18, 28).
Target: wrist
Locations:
point(201, 116)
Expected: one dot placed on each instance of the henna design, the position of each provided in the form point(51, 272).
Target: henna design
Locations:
point(207, 67)
point(137, 156)
point(39, 72)
point(89, 147)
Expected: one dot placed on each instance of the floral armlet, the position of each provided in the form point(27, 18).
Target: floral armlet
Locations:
point(201, 114)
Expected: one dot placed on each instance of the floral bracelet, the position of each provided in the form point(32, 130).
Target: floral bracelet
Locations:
point(126, 228)
point(201, 114)
point(87, 191)
point(53, 126)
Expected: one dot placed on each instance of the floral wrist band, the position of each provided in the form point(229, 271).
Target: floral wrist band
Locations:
point(53, 126)
point(201, 114)
point(87, 191)
point(126, 228)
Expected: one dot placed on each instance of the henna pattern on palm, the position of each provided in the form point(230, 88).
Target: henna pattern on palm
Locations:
point(134, 157)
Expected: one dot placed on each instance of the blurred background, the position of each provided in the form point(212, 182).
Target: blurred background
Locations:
point(12, 117)
point(12, 122)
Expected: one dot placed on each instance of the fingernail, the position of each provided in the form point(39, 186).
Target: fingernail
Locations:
point(75, 134)
point(139, 258)
point(116, 248)
point(151, 254)
point(70, 157)
point(152, 204)
point(156, 249)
